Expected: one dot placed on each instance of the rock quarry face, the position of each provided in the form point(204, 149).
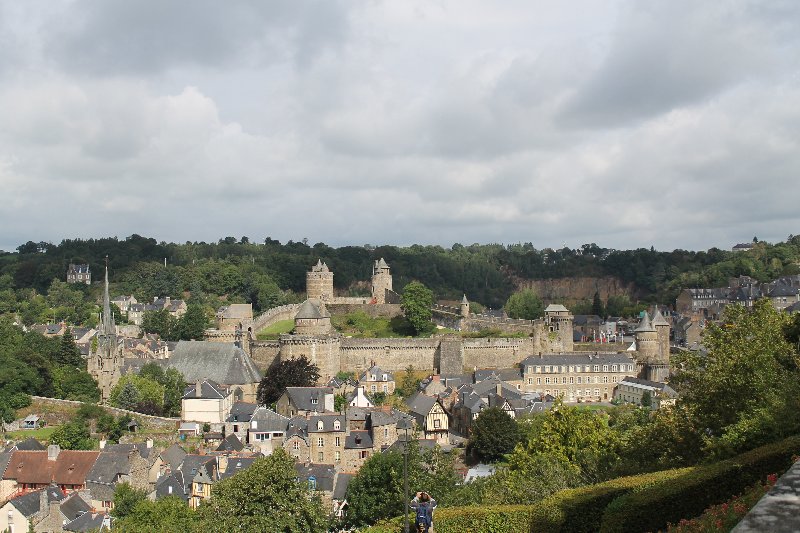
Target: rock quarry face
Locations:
point(575, 289)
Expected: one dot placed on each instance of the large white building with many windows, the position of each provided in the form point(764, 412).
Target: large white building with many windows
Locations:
point(576, 376)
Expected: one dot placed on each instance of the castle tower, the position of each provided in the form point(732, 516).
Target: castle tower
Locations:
point(312, 319)
point(659, 368)
point(465, 307)
point(319, 282)
point(105, 362)
point(558, 320)
point(646, 345)
point(381, 281)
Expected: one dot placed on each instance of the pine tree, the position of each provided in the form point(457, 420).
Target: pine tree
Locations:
point(68, 353)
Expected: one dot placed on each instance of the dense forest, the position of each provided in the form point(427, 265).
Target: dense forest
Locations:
point(270, 273)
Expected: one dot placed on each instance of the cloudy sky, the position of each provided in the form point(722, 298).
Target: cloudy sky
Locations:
point(635, 123)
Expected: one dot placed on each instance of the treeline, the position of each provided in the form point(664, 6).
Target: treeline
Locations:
point(269, 273)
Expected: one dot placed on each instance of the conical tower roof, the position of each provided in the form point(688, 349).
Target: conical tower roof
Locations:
point(311, 310)
point(645, 324)
point(464, 300)
point(658, 319)
point(381, 264)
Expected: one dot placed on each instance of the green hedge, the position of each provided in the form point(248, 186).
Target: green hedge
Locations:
point(473, 519)
point(580, 510)
point(688, 496)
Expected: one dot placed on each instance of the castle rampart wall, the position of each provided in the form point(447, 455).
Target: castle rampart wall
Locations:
point(372, 310)
point(271, 316)
point(264, 353)
point(390, 354)
point(497, 352)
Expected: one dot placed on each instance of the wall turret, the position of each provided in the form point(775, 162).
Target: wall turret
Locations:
point(465, 307)
point(319, 282)
point(381, 281)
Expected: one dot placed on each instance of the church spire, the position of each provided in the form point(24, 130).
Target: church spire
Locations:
point(108, 316)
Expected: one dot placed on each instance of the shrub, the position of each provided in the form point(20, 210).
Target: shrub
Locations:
point(473, 519)
point(581, 509)
point(690, 494)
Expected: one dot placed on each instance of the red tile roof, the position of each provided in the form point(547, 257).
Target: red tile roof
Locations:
point(33, 467)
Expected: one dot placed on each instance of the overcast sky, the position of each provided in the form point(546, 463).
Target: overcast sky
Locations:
point(674, 124)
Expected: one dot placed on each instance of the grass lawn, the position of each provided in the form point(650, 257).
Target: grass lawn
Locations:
point(276, 329)
point(38, 434)
point(360, 325)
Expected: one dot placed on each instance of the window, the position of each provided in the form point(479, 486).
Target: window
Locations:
point(296, 445)
point(321, 441)
point(605, 368)
point(530, 381)
point(564, 380)
point(530, 370)
point(337, 456)
point(614, 368)
point(538, 381)
point(605, 379)
point(572, 380)
point(363, 454)
point(572, 368)
point(580, 380)
point(374, 388)
point(314, 400)
point(312, 483)
point(538, 369)
point(385, 433)
point(437, 423)
point(254, 424)
point(320, 457)
point(338, 441)
point(320, 425)
point(386, 389)
point(597, 368)
point(597, 379)
point(337, 425)
point(547, 381)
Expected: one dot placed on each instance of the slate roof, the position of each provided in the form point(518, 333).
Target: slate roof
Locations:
point(87, 522)
point(302, 397)
point(231, 443)
point(173, 456)
point(311, 310)
point(663, 387)
point(30, 444)
point(342, 482)
point(191, 466)
point(358, 440)
point(224, 363)
point(658, 319)
point(236, 465)
point(29, 503)
point(420, 404)
point(379, 417)
point(380, 263)
point(73, 506)
point(127, 448)
point(505, 374)
point(5, 457)
point(376, 372)
point(209, 390)
point(268, 420)
point(644, 324)
point(103, 476)
point(782, 290)
point(174, 481)
point(490, 385)
point(327, 423)
point(424, 444)
point(297, 425)
point(323, 473)
point(553, 308)
point(578, 358)
point(242, 412)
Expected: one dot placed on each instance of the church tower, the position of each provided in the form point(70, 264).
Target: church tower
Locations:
point(381, 281)
point(105, 361)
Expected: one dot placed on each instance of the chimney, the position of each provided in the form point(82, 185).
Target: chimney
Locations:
point(198, 389)
point(102, 444)
point(167, 299)
point(149, 443)
point(52, 452)
point(499, 389)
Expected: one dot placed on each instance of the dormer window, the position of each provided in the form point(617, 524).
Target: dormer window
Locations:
point(337, 425)
point(320, 425)
point(314, 400)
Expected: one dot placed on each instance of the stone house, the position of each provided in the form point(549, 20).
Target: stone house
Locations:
point(164, 463)
point(209, 402)
point(79, 273)
point(326, 435)
point(119, 463)
point(44, 510)
point(576, 377)
point(238, 421)
point(632, 390)
point(358, 446)
point(234, 316)
point(430, 417)
point(319, 479)
point(376, 380)
point(305, 400)
point(358, 398)
point(267, 429)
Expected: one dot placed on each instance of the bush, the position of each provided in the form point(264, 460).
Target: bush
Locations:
point(690, 494)
point(581, 509)
point(490, 519)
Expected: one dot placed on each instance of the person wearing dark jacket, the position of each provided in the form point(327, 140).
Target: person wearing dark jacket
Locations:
point(424, 505)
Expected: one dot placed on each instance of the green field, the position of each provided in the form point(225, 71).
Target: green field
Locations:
point(360, 325)
point(276, 329)
point(38, 434)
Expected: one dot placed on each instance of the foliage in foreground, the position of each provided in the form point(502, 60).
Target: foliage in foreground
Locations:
point(299, 372)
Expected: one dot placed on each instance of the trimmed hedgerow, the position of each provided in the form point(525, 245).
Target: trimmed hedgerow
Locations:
point(472, 519)
point(689, 495)
point(580, 510)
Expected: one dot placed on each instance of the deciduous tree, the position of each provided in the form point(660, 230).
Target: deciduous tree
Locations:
point(417, 302)
point(298, 372)
point(524, 304)
point(493, 435)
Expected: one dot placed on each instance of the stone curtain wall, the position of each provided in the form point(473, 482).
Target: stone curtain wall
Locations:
point(276, 314)
point(340, 307)
point(497, 353)
point(393, 355)
point(264, 353)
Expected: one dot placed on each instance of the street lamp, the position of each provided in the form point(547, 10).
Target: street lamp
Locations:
point(405, 424)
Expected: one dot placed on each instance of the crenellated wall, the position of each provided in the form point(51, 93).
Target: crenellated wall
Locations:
point(264, 353)
point(390, 354)
point(339, 307)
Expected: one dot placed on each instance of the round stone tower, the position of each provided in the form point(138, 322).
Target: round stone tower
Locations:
point(646, 344)
point(312, 319)
point(465, 307)
point(381, 281)
point(319, 283)
point(662, 328)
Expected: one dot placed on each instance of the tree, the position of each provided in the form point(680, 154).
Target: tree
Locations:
point(125, 499)
point(165, 515)
point(159, 322)
point(298, 372)
point(597, 305)
point(128, 396)
point(409, 383)
point(192, 325)
point(744, 391)
point(68, 353)
point(647, 399)
point(417, 302)
point(493, 435)
point(74, 384)
point(265, 497)
point(72, 436)
point(138, 393)
point(524, 304)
